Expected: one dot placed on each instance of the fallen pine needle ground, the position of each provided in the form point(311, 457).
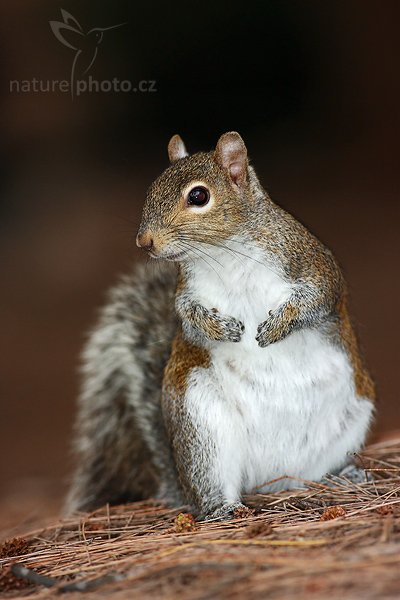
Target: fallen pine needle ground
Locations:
point(340, 540)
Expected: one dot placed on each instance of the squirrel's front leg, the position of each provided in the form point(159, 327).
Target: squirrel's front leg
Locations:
point(209, 322)
point(305, 307)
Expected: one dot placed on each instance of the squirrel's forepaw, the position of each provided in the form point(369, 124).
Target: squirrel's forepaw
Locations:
point(270, 331)
point(229, 328)
point(234, 330)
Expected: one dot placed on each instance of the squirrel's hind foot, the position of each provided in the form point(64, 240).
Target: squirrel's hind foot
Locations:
point(350, 473)
point(233, 510)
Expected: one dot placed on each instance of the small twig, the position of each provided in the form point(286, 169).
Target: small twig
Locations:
point(82, 523)
point(387, 529)
point(108, 520)
point(91, 584)
point(233, 542)
point(19, 570)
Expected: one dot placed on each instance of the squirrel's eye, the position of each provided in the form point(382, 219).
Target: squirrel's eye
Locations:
point(198, 196)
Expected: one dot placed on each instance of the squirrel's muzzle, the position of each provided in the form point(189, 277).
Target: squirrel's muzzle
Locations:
point(145, 241)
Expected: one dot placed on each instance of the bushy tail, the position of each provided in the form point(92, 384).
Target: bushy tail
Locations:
point(120, 441)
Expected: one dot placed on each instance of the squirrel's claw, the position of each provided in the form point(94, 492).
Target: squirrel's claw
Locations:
point(233, 330)
point(228, 328)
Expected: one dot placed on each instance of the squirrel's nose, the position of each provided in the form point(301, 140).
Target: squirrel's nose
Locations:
point(144, 241)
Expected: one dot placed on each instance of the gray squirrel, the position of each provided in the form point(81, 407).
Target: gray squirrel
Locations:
point(229, 366)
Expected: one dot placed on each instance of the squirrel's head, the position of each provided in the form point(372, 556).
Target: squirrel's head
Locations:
point(203, 198)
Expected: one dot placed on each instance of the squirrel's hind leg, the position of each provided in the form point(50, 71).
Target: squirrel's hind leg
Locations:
point(202, 435)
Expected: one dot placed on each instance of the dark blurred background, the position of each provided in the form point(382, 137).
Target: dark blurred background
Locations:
point(313, 87)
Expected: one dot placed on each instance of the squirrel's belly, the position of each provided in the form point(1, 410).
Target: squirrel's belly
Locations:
point(290, 409)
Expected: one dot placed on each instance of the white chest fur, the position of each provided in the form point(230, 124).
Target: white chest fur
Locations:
point(287, 409)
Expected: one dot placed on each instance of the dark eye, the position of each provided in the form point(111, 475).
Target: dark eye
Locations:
point(198, 196)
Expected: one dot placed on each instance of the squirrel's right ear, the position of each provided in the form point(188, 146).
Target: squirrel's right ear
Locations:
point(176, 149)
point(231, 154)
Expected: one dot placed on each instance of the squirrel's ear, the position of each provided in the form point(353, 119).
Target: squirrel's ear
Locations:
point(231, 154)
point(176, 148)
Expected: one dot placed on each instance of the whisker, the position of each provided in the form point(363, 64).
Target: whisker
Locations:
point(202, 258)
point(173, 218)
point(182, 248)
point(226, 248)
point(189, 234)
point(202, 251)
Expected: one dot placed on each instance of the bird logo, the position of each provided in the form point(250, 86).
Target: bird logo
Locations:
point(86, 45)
